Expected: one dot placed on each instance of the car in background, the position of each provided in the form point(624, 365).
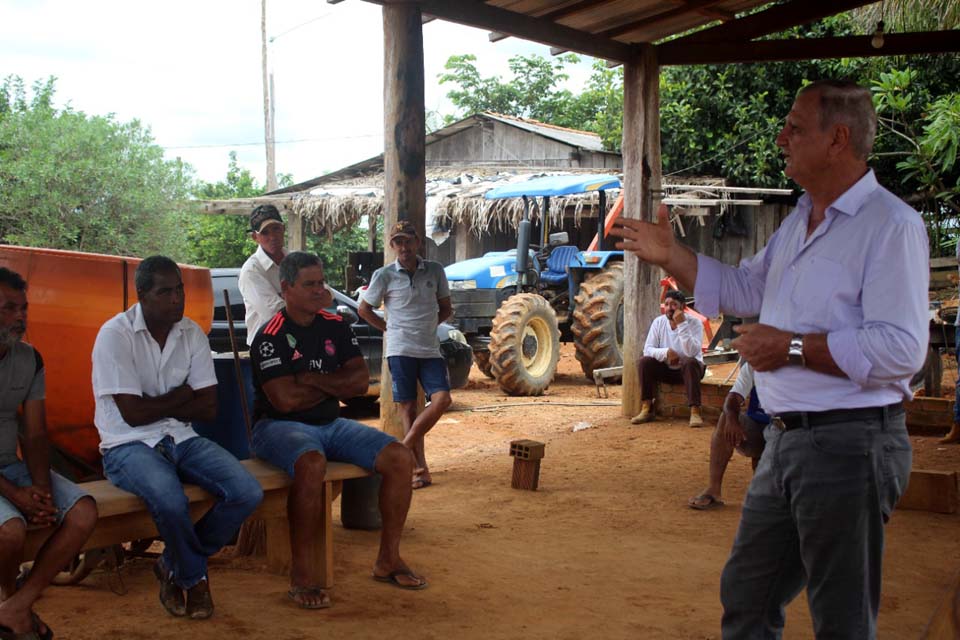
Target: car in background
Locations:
point(453, 344)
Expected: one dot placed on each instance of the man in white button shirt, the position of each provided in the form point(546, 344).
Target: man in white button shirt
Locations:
point(841, 293)
point(259, 280)
point(152, 375)
point(672, 354)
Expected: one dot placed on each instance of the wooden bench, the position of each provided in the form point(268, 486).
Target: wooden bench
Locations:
point(124, 516)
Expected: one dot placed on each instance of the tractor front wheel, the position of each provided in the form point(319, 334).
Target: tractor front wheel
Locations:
point(598, 320)
point(524, 345)
point(481, 358)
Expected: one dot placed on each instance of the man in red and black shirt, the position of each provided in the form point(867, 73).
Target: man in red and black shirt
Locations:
point(304, 360)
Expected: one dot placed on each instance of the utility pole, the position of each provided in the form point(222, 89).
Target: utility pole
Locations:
point(268, 104)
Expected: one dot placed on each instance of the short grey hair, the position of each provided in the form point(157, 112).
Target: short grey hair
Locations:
point(846, 102)
point(149, 268)
point(294, 261)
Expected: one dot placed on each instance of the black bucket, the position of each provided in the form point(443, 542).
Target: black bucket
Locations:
point(360, 503)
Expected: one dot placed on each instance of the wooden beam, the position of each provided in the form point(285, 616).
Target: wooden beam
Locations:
point(641, 179)
point(404, 157)
point(930, 42)
point(477, 14)
point(774, 20)
point(649, 21)
point(243, 206)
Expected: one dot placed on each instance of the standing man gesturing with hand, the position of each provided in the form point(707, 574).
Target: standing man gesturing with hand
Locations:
point(841, 293)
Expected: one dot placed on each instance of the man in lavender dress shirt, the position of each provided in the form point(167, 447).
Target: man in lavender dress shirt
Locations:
point(841, 292)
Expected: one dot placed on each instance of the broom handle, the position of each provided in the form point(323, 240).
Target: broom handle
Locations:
point(239, 372)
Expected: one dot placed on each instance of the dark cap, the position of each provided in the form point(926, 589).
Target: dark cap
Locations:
point(263, 216)
point(403, 228)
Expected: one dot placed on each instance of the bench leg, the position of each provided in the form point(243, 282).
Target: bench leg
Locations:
point(323, 549)
point(279, 556)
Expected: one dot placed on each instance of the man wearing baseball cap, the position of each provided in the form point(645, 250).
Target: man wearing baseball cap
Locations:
point(416, 298)
point(260, 275)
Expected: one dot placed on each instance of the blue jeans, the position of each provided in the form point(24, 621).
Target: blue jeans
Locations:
point(157, 474)
point(814, 517)
point(282, 442)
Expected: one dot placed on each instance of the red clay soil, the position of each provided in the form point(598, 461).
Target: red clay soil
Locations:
point(607, 548)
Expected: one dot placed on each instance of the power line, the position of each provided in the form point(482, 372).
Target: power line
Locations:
point(257, 144)
point(725, 151)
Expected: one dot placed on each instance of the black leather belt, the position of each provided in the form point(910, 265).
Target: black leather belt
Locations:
point(803, 419)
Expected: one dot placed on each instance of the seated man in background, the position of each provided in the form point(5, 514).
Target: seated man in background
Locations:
point(152, 375)
point(30, 493)
point(304, 359)
point(672, 354)
point(735, 431)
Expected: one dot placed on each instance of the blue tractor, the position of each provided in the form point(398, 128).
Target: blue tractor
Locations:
point(515, 306)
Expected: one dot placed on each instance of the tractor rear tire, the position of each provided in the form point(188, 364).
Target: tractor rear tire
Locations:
point(524, 345)
point(481, 358)
point(598, 320)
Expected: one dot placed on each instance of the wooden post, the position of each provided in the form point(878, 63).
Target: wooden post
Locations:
point(371, 233)
point(642, 176)
point(296, 232)
point(404, 192)
point(466, 243)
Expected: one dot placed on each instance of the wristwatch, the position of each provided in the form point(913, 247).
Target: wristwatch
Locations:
point(795, 352)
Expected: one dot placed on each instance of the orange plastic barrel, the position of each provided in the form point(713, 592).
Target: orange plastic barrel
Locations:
point(70, 296)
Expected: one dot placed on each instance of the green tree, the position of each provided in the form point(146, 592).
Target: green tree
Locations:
point(85, 183)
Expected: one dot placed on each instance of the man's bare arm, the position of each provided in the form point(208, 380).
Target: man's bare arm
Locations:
point(202, 407)
point(305, 390)
point(655, 243)
point(446, 309)
point(368, 313)
point(766, 349)
point(349, 381)
point(140, 410)
point(34, 443)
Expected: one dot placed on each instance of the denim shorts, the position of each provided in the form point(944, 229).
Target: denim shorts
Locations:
point(406, 371)
point(65, 493)
point(282, 442)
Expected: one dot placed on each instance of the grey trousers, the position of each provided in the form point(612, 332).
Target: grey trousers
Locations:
point(813, 517)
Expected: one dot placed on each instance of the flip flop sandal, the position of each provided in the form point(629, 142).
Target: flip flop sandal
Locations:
point(391, 578)
point(295, 594)
point(6, 633)
point(711, 502)
point(37, 623)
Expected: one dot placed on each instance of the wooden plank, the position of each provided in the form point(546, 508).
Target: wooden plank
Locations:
point(484, 16)
point(931, 491)
point(323, 549)
point(123, 516)
point(642, 177)
point(672, 53)
point(943, 263)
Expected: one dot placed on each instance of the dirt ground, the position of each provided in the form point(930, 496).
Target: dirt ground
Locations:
point(607, 548)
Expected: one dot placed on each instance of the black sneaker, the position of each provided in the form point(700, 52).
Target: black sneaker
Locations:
point(171, 596)
point(199, 601)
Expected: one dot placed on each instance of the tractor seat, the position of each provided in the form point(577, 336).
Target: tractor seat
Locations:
point(560, 258)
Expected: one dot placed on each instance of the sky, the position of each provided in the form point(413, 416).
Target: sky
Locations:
point(191, 71)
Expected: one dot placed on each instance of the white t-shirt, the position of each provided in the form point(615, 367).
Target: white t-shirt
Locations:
point(127, 360)
point(259, 284)
point(686, 339)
